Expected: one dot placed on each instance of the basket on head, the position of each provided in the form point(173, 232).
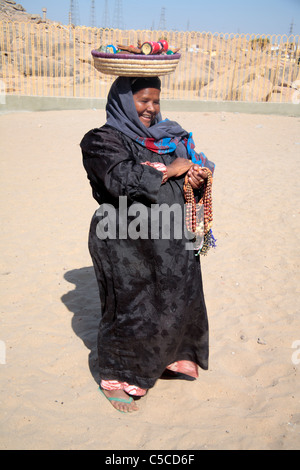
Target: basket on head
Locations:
point(135, 65)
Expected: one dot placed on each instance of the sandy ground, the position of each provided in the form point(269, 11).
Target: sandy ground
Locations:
point(250, 397)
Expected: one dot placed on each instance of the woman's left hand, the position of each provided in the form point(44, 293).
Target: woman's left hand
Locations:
point(196, 176)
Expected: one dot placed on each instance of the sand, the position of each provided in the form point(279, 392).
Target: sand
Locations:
point(249, 398)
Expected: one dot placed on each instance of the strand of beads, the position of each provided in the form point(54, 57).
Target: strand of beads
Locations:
point(191, 205)
point(209, 239)
point(206, 200)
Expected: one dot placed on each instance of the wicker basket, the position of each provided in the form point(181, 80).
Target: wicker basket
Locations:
point(135, 65)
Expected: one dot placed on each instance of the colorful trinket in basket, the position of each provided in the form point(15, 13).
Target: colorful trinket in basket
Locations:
point(146, 60)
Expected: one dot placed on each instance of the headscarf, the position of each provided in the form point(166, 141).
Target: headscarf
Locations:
point(163, 136)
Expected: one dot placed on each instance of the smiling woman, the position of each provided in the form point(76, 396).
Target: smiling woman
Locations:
point(153, 310)
point(147, 105)
point(146, 97)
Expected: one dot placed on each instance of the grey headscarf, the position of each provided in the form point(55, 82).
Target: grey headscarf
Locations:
point(122, 115)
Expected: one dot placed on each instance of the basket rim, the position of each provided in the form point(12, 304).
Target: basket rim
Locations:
point(149, 58)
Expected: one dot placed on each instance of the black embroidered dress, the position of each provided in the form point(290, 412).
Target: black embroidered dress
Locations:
point(153, 308)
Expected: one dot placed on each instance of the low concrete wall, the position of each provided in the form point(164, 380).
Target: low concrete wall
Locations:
point(45, 103)
point(13, 103)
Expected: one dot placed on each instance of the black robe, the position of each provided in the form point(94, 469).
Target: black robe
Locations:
point(153, 308)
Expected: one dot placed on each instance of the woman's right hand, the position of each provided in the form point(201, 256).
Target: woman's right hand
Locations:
point(178, 167)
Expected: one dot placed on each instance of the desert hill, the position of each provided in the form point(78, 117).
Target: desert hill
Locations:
point(13, 11)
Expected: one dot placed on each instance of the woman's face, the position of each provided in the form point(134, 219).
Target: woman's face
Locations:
point(147, 103)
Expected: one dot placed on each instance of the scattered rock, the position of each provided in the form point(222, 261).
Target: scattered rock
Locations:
point(261, 341)
point(259, 89)
point(281, 93)
point(19, 7)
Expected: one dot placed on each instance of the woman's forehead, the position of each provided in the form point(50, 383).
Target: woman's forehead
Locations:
point(148, 92)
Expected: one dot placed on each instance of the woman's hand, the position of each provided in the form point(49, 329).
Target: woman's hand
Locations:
point(178, 167)
point(196, 176)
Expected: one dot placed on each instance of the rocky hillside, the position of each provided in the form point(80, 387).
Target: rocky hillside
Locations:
point(39, 56)
point(12, 11)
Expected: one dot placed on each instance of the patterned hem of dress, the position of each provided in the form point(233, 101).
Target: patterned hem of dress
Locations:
point(184, 367)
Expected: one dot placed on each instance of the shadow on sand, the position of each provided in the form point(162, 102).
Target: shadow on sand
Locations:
point(84, 303)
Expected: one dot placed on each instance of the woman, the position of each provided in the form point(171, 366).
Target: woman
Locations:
point(153, 310)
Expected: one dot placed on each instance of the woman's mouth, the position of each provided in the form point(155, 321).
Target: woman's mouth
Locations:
point(147, 118)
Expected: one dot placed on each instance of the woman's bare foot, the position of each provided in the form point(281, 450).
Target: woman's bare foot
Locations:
point(120, 400)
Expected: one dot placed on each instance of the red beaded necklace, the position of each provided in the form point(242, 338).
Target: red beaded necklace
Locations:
point(192, 208)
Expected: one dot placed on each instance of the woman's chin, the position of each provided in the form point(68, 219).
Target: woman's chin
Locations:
point(147, 122)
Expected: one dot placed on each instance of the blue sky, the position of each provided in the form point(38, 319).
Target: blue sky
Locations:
point(227, 16)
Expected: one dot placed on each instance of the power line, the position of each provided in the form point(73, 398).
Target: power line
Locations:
point(105, 19)
point(118, 15)
point(74, 13)
point(162, 20)
point(92, 14)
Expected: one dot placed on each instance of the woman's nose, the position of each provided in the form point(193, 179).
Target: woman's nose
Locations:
point(150, 106)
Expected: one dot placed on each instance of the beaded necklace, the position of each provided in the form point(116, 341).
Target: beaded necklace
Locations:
point(202, 230)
